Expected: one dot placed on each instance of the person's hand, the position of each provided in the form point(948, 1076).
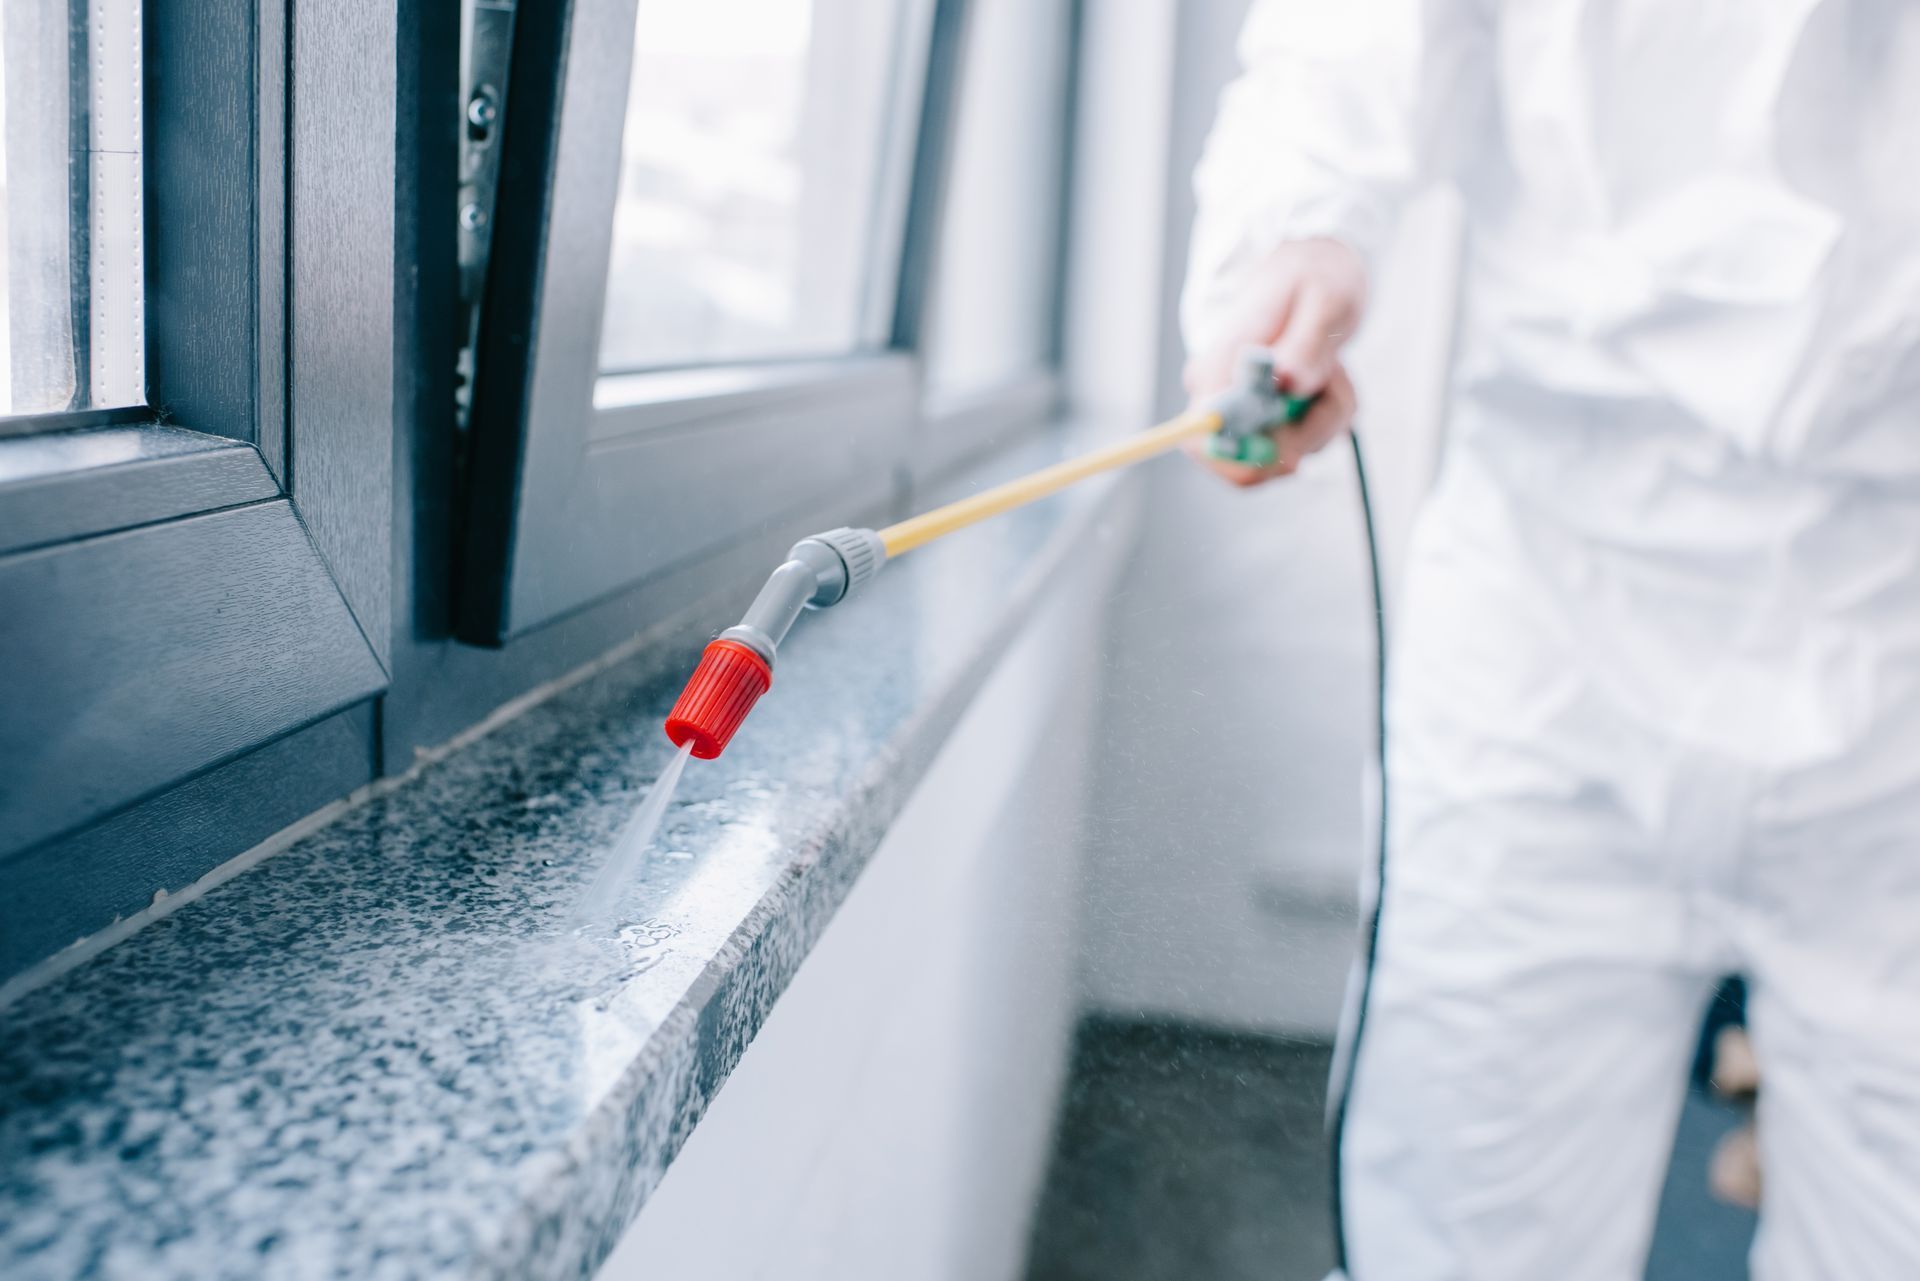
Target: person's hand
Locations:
point(1304, 302)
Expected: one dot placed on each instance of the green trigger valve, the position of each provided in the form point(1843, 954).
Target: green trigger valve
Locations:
point(1257, 450)
point(1251, 410)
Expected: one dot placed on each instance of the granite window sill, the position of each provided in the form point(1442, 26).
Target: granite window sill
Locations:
point(382, 1053)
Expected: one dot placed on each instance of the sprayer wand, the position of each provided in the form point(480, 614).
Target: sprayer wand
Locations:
point(824, 569)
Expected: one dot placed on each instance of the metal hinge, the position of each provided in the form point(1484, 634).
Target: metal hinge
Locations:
point(486, 47)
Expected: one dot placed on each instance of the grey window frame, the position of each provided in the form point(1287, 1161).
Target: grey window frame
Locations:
point(186, 583)
point(583, 487)
point(956, 430)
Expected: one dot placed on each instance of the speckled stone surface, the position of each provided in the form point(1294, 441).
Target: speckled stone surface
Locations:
point(383, 1052)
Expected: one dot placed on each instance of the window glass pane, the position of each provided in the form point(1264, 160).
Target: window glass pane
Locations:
point(72, 279)
point(991, 309)
point(751, 182)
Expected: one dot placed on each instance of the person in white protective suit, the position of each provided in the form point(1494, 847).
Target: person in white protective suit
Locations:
point(1654, 706)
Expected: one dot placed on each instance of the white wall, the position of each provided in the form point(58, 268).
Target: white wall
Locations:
point(893, 1118)
point(1238, 720)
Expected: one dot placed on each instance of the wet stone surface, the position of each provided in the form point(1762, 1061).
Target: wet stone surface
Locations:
point(384, 1052)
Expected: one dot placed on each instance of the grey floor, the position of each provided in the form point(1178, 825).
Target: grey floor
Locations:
point(1189, 1155)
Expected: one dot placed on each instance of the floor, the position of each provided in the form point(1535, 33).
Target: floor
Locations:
point(1188, 1155)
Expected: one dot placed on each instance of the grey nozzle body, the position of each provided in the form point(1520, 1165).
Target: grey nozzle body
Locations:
point(1247, 407)
point(821, 570)
point(857, 555)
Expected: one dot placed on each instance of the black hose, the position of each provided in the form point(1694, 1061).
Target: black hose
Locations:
point(1338, 1123)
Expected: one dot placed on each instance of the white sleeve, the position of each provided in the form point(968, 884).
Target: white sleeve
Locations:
point(1317, 137)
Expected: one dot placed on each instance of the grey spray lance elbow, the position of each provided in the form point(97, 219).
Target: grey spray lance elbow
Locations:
point(737, 667)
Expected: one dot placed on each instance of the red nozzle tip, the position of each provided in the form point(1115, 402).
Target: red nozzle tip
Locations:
point(730, 679)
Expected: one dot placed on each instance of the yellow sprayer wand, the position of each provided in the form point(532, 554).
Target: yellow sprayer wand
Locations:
point(919, 530)
point(737, 667)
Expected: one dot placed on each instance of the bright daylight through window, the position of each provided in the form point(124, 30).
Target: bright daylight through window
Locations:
point(750, 181)
point(72, 299)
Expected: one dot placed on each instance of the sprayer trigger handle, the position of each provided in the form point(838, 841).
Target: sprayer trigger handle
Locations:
point(1255, 448)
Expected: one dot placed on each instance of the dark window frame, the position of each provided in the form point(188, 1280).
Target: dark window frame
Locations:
point(580, 492)
point(289, 512)
point(187, 582)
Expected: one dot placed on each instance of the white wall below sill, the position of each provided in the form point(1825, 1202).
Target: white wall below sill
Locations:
point(894, 1116)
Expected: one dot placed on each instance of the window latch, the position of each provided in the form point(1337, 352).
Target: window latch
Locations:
point(486, 47)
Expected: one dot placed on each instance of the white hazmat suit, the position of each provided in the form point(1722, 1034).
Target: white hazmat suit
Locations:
point(1654, 710)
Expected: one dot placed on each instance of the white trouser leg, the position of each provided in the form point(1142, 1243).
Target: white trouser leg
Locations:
point(1540, 976)
point(1833, 939)
point(1516, 1088)
point(1839, 1132)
